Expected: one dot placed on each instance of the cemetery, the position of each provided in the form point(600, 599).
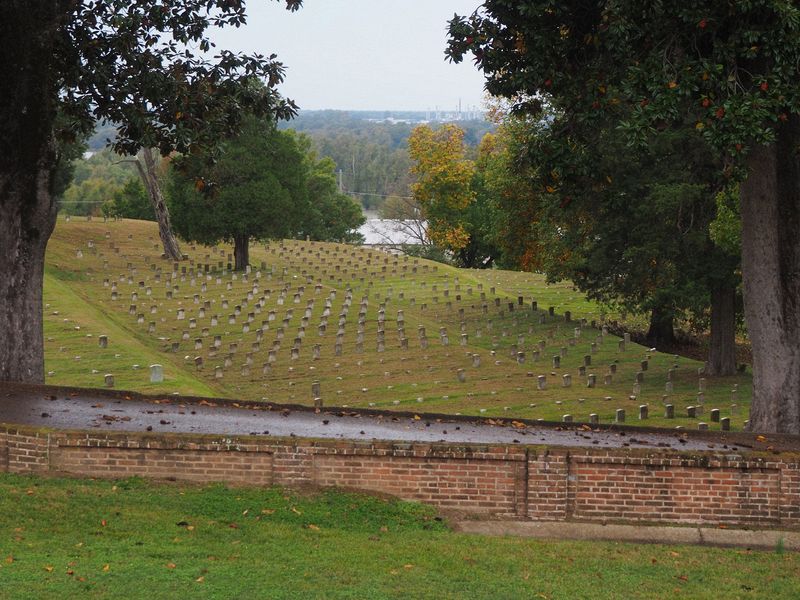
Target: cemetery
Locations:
point(353, 327)
point(260, 341)
point(334, 365)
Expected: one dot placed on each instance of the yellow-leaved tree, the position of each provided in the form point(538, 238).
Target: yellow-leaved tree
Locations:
point(444, 189)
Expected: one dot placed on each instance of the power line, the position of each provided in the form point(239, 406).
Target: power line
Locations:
point(379, 195)
point(82, 201)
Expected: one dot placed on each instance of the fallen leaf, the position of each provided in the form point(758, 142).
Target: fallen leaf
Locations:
point(171, 565)
point(49, 568)
point(295, 511)
point(200, 579)
point(106, 568)
point(409, 566)
point(761, 438)
point(103, 523)
point(9, 559)
point(267, 511)
point(313, 527)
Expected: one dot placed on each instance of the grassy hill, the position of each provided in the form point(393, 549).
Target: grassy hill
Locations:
point(108, 279)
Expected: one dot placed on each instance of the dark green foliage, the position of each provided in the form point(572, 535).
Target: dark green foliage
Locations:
point(726, 230)
point(131, 202)
point(641, 240)
point(111, 56)
point(725, 69)
point(266, 184)
point(256, 189)
point(332, 216)
point(629, 224)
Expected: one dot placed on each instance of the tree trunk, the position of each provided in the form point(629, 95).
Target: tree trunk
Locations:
point(770, 198)
point(241, 251)
point(27, 218)
point(722, 348)
point(147, 170)
point(662, 331)
point(28, 159)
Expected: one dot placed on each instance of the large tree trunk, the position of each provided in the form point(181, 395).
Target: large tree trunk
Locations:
point(147, 170)
point(722, 349)
point(27, 218)
point(241, 251)
point(28, 159)
point(662, 329)
point(770, 199)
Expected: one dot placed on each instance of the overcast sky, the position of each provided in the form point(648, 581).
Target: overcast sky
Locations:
point(362, 54)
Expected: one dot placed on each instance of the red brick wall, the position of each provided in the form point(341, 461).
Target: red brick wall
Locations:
point(468, 484)
point(3, 453)
point(547, 486)
point(25, 452)
point(191, 465)
point(613, 488)
point(624, 484)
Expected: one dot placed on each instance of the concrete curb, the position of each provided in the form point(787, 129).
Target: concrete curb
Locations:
point(764, 539)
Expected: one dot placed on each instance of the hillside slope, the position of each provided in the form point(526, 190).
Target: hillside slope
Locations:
point(452, 341)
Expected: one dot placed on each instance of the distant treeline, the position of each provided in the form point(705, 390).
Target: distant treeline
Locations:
point(370, 147)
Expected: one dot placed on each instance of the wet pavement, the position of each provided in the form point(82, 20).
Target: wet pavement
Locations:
point(92, 410)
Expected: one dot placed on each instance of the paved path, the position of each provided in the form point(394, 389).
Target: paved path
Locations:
point(765, 539)
point(89, 409)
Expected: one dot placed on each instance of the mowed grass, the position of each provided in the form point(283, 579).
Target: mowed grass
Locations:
point(73, 323)
point(300, 282)
point(63, 538)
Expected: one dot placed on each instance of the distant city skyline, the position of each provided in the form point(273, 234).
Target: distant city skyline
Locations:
point(363, 54)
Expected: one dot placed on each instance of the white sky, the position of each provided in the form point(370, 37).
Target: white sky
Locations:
point(362, 54)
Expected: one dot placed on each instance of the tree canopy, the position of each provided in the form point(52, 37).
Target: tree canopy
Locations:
point(451, 194)
point(725, 71)
point(265, 184)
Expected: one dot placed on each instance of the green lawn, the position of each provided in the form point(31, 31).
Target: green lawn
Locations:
point(64, 538)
